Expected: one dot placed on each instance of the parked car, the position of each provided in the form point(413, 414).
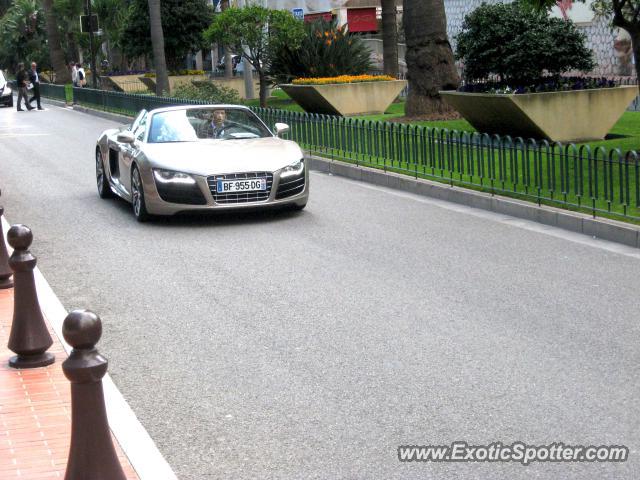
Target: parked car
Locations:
point(6, 94)
point(212, 157)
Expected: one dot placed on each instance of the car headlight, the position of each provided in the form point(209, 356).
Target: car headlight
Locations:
point(293, 170)
point(168, 176)
point(6, 91)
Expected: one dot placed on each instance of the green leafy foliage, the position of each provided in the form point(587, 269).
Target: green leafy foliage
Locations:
point(183, 22)
point(206, 91)
point(256, 33)
point(22, 35)
point(326, 51)
point(519, 44)
point(262, 31)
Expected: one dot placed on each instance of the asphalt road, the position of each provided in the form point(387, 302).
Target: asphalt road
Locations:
point(313, 344)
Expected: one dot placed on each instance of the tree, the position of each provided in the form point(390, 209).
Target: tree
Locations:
point(389, 37)
point(63, 75)
point(67, 14)
point(112, 14)
point(260, 31)
point(624, 14)
point(429, 57)
point(22, 34)
point(519, 45)
point(183, 22)
point(157, 41)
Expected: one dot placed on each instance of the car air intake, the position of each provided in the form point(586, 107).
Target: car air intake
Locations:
point(290, 186)
point(184, 194)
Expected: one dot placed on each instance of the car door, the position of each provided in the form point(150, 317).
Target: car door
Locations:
point(129, 152)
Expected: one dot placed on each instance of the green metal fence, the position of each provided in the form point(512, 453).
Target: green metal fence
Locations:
point(575, 176)
point(53, 91)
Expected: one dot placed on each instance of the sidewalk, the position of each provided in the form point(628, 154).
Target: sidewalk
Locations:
point(35, 412)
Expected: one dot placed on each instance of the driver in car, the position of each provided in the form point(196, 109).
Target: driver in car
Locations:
point(215, 127)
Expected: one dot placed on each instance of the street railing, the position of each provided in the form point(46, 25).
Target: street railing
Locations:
point(598, 180)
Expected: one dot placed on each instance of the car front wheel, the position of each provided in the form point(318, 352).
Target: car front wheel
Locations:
point(137, 196)
point(104, 190)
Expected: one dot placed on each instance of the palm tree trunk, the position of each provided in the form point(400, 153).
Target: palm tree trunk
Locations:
point(430, 62)
point(63, 75)
point(389, 38)
point(157, 40)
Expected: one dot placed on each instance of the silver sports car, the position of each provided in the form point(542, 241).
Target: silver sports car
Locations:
point(175, 159)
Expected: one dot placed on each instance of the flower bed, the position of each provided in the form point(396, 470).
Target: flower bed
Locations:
point(176, 73)
point(342, 79)
point(550, 84)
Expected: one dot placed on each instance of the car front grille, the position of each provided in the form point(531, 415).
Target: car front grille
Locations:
point(290, 186)
point(240, 197)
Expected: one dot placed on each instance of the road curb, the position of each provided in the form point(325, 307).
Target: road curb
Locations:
point(603, 228)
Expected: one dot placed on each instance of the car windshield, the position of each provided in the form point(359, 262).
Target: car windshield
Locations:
point(202, 124)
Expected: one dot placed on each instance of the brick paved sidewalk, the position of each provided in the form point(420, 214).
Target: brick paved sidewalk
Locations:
point(35, 412)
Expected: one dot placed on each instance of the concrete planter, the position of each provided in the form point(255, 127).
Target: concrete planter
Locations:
point(123, 83)
point(174, 80)
point(346, 98)
point(571, 116)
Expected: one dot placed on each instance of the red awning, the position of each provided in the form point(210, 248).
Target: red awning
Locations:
point(362, 20)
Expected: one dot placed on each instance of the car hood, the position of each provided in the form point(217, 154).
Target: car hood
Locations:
point(210, 157)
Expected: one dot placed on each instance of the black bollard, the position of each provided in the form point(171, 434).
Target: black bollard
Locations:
point(5, 270)
point(91, 454)
point(29, 336)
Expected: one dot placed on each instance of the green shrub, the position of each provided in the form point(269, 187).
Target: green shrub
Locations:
point(326, 51)
point(206, 91)
point(519, 44)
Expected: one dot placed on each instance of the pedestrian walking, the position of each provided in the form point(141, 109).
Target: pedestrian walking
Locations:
point(22, 81)
point(74, 74)
point(34, 78)
point(82, 79)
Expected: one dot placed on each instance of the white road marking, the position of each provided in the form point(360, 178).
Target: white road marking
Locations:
point(6, 135)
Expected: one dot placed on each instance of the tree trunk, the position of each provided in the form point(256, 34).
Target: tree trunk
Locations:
point(429, 57)
point(63, 75)
point(264, 88)
point(157, 40)
point(635, 45)
point(228, 59)
point(389, 38)
point(73, 50)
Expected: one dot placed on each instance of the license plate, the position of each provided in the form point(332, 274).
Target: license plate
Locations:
point(245, 185)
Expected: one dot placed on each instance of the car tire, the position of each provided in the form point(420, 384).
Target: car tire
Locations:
point(137, 196)
point(10, 102)
point(104, 189)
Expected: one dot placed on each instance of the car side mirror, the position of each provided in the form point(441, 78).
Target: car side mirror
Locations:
point(281, 129)
point(126, 137)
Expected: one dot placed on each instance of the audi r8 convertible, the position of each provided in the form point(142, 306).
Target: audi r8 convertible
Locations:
point(201, 157)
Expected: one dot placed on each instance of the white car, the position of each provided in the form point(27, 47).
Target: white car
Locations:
point(212, 157)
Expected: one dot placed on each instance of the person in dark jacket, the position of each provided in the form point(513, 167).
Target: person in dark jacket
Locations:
point(34, 78)
point(21, 83)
